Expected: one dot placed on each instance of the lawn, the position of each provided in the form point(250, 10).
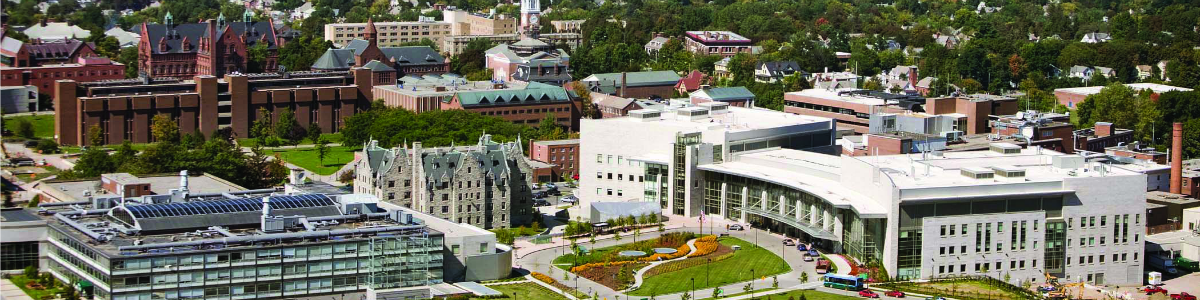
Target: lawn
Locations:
point(808, 294)
point(610, 253)
point(956, 288)
point(525, 290)
point(728, 271)
point(43, 125)
point(307, 158)
point(727, 295)
point(329, 137)
point(21, 281)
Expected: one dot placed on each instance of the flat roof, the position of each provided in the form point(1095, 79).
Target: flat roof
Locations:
point(1157, 88)
point(836, 95)
point(159, 185)
point(558, 142)
point(17, 215)
point(717, 36)
point(800, 170)
point(1166, 197)
point(734, 119)
point(478, 289)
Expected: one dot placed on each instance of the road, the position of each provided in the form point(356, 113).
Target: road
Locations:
point(56, 160)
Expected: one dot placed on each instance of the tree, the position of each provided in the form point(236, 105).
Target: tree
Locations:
point(588, 109)
point(322, 150)
point(95, 135)
point(803, 277)
point(47, 146)
point(92, 163)
point(1115, 103)
point(471, 59)
point(193, 140)
point(164, 128)
point(262, 126)
point(286, 126)
point(346, 177)
point(313, 132)
point(129, 57)
point(256, 58)
point(24, 128)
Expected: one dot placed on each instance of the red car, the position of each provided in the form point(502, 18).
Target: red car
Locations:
point(1183, 296)
point(868, 294)
point(1154, 289)
point(894, 294)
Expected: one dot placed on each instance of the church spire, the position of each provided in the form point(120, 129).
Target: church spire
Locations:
point(370, 32)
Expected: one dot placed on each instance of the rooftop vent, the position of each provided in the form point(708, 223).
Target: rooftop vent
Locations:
point(1004, 148)
point(693, 113)
point(978, 173)
point(716, 108)
point(645, 114)
point(1009, 171)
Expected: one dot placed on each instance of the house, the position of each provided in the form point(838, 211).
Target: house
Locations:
point(613, 106)
point(738, 96)
point(1096, 37)
point(902, 79)
point(56, 31)
point(1081, 72)
point(1107, 72)
point(124, 38)
point(1144, 71)
point(775, 71)
point(948, 41)
point(982, 8)
point(656, 44)
point(721, 68)
point(925, 85)
point(693, 81)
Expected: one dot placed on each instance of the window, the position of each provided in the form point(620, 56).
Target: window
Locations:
point(620, 193)
point(599, 175)
point(943, 230)
point(952, 229)
point(599, 158)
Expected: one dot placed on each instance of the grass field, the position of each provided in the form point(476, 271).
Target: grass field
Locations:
point(329, 137)
point(736, 294)
point(20, 281)
point(307, 158)
point(728, 271)
point(43, 125)
point(526, 290)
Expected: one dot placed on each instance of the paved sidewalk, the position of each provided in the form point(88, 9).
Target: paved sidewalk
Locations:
point(10, 291)
point(843, 266)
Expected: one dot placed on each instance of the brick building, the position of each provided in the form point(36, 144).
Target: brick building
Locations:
point(1052, 132)
point(612, 106)
point(390, 34)
point(214, 47)
point(1071, 97)
point(387, 63)
point(1101, 137)
point(517, 102)
point(562, 154)
point(40, 63)
point(852, 108)
point(123, 109)
point(723, 43)
point(485, 185)
point(641, 85)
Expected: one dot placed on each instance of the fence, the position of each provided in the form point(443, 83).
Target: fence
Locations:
point(1010, 291)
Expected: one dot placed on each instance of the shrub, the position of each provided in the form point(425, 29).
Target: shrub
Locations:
point(543, 278)
point(47, 146)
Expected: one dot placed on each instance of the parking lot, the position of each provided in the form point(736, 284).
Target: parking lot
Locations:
point(564, 191)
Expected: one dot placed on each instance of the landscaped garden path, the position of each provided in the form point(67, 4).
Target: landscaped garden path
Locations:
point(637, 278)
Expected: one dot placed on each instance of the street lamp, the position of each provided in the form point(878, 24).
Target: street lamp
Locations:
point(693, 292)
point(752, 283)
point(706, 270)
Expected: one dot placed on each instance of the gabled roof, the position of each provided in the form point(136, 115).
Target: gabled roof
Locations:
point(779, 68)
point(56, 30)
point(724, 93)
point(535, 92)
point(615, 102)
point(335, 59)
point(926, 82)
point(343, 59)
point(175, 34)
point(692, 81)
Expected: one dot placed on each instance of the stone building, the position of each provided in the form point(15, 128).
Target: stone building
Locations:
point(486, 185)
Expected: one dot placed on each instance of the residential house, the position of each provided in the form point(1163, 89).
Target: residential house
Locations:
point(1096, 37)
point(693, 81)
point(775, 71)
point(56, 31)
point(738, 96)
point(1144, 71)
point(613, 106)
point(656, 44)
point(721, 68)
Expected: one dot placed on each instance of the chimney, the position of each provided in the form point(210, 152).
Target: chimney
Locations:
point(1103, 129)
point(1177, 158)
point(623, 84)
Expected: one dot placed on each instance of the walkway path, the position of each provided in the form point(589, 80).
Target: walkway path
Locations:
point(843, 266)
point(10, 291)
point(551, 287)
point(639, 277)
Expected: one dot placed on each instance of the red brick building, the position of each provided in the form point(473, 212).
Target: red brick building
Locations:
point(517, 102)
point(40, 63)
point(613, 106)
point(639, 85)
point(214, 47)
point(388, 63)
point(123, 109)
point(1101, 137)
point(562, 154)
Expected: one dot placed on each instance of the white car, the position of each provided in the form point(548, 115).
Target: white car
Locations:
point(808, 258)
point(569, 199)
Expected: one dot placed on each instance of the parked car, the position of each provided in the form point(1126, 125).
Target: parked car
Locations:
point(31, 144)
point(808, 258)
point(1150, 290)
point(801, 247)
point(1183, 296)
point(541, 202)
point(539, 195)
point(569, 199)
point(868, 294)
point(553, 192)
point(935, 298)
point(736, 227)
point(812, 252)
point(550, 185)
point(789, 242)
point(894, 294)
point(21, 161)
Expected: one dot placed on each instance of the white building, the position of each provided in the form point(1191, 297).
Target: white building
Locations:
point(1005, 212)
point(652, 155)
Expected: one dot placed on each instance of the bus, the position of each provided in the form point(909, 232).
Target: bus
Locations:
point(844, 282)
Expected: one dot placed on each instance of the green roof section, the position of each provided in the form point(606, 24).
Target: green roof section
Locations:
point(727, 93)
point(534, 93)
point(647, 78)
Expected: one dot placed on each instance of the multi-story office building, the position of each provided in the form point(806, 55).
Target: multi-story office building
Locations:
point(123, 109)
point(723, 43)
point(852, 108)
point(252, 244)
point(1007, 212)
point(390, 34)
point(23, 243)
point(651, 155)
point(485, 185)
point(464, 23)
point(515, 101)
point(40, 63)
point(562, 154)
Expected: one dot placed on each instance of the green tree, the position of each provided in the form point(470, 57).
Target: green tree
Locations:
point(129, 57)
point(95, 135)
point(164, 128)
point(262, 126)
point(47, 146)
point(1191, 139)
point(92, 163)
point(23, 128)
point(322, 150)
point(1115, 103)
point(193, 140)
point(471, 59)
point(313, 132)
point(803, 277)
point(31, 272)
point(256, 58)
point(286, 126)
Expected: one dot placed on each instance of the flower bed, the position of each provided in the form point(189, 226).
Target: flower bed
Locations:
point(705, 246)
point(611, 254)
point(589, 266)
point(723, 252)
point(614, 276)
point(543, 278)
point(679, 252)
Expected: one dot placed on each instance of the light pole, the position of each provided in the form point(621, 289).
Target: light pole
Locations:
point(752, 283)
point(706, 270)
point(693, 292)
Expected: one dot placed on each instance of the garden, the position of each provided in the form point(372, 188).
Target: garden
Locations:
point(607, 266)
point(966, 288)
point(749, 263)
point(42, 286)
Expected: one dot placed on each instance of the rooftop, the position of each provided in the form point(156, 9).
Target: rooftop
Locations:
point(850, 95)
point(427, 87)
point(717, 36)
point(558, 142)
point(1166, 197)
point(735, 119)
point(159, 185)
point(1157, 88)
point(17, 215)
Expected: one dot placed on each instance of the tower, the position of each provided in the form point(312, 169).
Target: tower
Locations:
point(370, 32)
point(530, 9)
